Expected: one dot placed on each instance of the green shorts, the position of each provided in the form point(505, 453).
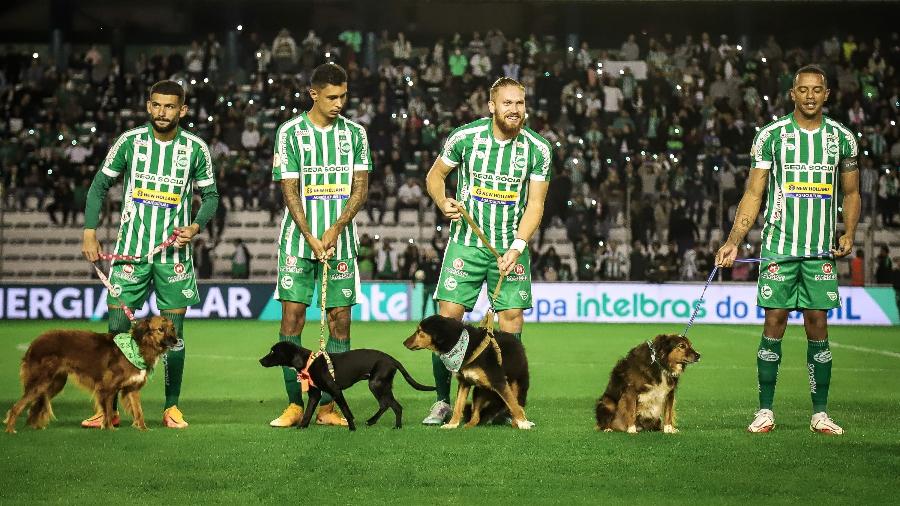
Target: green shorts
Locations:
point(797, 284)
point(299, 277)
point(466, 268)
point(175, 284)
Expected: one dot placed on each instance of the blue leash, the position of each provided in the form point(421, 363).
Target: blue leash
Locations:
point(822, 254)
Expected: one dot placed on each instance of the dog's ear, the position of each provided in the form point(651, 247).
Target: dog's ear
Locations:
point(140, 329)
point(664, 343)
point(445, 331)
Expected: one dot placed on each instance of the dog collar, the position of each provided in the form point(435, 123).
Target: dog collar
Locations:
point(654, 361)
point(453, 359)
point(130, 349)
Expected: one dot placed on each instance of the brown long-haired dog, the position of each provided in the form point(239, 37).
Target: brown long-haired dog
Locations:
point(96, 363)
point(641, 390)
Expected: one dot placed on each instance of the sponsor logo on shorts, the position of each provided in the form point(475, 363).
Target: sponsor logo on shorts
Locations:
point(457, 272)
point(450, 284)
point(287, 282)
point(180, 273)
point(290, 261)
point(179, 268)
point(342, 267)
point(519, 269)
point(116, 290)
point(294, 270)
point(765, 291)
point(768, 356)
point(458, 263)
point(347, 292)
point(343, 272)
point(127, 276)
point(128, 268)
point(771, 277)
point(833, 296)
point(826, 268)
point(517, 274)
point(523, 294)
point(825, 277)
point(187, 293)
point(774, 268)
point(823, 357)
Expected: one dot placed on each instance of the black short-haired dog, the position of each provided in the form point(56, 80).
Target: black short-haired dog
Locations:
point(349, 368)
point(641, 390)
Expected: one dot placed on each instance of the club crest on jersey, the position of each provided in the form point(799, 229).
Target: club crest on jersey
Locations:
point(181, 162)
point(344, 147)
point(479, 155)
point(450, 283)
point(519, 162)
point(832, 148)
point(826, 268)
point(458, 264)
point(140, 143)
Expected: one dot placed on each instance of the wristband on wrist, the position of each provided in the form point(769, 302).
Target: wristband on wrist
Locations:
point(519, 245)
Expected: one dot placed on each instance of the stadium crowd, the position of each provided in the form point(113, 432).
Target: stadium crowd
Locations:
point(652, 136)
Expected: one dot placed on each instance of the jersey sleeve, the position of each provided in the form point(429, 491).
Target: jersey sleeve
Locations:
point(285, 163)
point(452, 154)
point(203, 167)
point(362, 160)
point(761, 150)
point(540, 161)
point(117, 159)
point(849, 148)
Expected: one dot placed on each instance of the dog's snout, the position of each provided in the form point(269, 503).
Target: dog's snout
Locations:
point(696, 357)
point(410, 342)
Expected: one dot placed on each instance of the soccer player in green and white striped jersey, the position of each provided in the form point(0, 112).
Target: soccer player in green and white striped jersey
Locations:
point(322, 161)
point(160, 163)
point(504, 173)
point(802, 162)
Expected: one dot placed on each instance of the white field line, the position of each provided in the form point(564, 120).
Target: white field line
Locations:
point(892, 354)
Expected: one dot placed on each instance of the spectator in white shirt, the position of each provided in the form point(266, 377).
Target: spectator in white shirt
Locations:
point(408, 197)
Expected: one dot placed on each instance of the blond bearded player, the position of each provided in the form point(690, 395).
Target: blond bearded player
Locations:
point(322, 161)
point(504, 172)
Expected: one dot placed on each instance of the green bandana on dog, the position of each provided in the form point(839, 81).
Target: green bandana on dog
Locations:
point(130, 349)
point(453, 359)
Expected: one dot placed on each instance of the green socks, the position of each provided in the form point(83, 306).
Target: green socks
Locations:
point(767, 360)
point(334, 346)
point(441, 378)
point(118, 323)
point(291, 386)
point(173, 361)
point(818, 363)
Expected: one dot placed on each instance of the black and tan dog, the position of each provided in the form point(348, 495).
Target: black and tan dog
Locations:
point(96, 363)
point(641, 390)
point(499, 389)
point(349, 368)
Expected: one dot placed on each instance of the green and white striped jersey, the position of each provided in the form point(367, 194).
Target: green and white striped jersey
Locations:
point(157, 188)
point(324, 161)
point(493, 179)
point(801, 208)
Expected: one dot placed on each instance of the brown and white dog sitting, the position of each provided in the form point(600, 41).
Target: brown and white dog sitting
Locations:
point(96, 363)
point(499, 389)
point(641, 390)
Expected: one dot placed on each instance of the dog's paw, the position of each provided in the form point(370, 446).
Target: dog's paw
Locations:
point(524, 424)
point(140, 427)
point(450, 425)
point(670, 429)
point(632, 429)
point(607, 430)
point(10, 431)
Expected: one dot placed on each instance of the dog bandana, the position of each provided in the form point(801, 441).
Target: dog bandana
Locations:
point(130, 349)
point(453, 359)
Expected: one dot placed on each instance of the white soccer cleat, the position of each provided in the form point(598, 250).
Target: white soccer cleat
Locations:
point(822, 424)
point(440, 412)
point(764, 421)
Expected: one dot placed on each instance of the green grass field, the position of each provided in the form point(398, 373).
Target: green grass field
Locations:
point(229, 454)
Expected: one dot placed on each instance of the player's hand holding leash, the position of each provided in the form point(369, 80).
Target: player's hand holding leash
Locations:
point(507, 261)
point(329, 241)
point(845, 246)
point(450, 208)
point(90, 247)
point(726, 255)
point(319, 249)
point(185, 234)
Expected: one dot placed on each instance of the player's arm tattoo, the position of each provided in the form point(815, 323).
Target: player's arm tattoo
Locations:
point(849, 165)
point(359, 190)
point(742, 224)
point(291, 196)
point(748, 209)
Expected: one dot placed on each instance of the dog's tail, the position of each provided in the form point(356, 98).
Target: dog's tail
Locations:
point(409, 379)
